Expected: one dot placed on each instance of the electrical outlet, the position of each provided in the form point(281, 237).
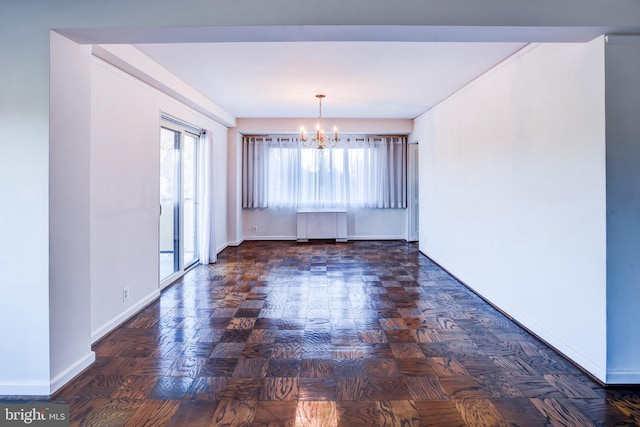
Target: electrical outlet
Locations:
point(254, 228)
point(125, 293)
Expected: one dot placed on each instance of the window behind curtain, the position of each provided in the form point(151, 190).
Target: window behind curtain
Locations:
point(359, 172)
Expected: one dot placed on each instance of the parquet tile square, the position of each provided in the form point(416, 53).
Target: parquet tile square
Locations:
point(317, 389)
point(389, 388)
point(382, 367)
point(214, 367)
point(170, 388)
point(534, 386)
point(110, 412)
point(353, 413)
point(603, 412)
point(437, 413)
point(103, 386)
point(193, 413)
point(571, 386)
point(445, 367)
point(463, 387)
point(287, 351)
point(348, 351)
point(207, 388)
point(243, 389)
point(425, 388)
point(316, 368)
point(317, 351)
point(136, 388)
point(185, 367)
point(480, 412)
point(359, 333)
point(354, 388)
point(251, 368)
point(198, 349)
point(153, 413)
point(413, 367)
point(348, 367)
point(283, 368)
point(272, 414)
point(233, 336)
point(520, 411)
point(316, 413)
point(234, 413)
point(406, 351)
point(560, 411)
point(498, 385)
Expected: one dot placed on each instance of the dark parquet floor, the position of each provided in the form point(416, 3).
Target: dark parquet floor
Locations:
point(326, 334)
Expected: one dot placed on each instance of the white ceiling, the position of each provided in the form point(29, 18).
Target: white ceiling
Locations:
point(361, 79)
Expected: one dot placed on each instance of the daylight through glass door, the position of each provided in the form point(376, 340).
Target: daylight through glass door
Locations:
point(178, 225)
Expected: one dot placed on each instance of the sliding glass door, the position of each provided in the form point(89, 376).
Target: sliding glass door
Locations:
point(169, 202)
point(178, 200)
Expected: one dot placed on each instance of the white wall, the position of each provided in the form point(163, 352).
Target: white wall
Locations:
point(125, 118)
point(125, 129)
point(69, 244)
point(280, 224)
point(24, 186)
point(512, 193)
point(234, 189)
point(622, 55)
point(218, 134)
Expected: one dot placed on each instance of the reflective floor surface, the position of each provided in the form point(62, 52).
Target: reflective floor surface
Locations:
point(326, 334)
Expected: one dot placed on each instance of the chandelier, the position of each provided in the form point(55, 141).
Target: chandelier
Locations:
point(320, 138)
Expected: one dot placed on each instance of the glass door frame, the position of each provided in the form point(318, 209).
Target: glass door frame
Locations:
point(181, 130)
point(191, 167)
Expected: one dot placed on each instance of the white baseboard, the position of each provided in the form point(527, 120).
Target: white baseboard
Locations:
point(124, 316)
point(623, 377)
point(24, 388)
point(68, 374)
point(235, 243)
point(270, 238)
point(378, 237)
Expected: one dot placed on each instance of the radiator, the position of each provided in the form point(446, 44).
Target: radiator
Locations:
point(322, 224)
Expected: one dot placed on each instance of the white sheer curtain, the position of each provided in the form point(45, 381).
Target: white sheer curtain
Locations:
point(359, 172)
point(283, 172)
point(323, 178)
point(206, 219)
